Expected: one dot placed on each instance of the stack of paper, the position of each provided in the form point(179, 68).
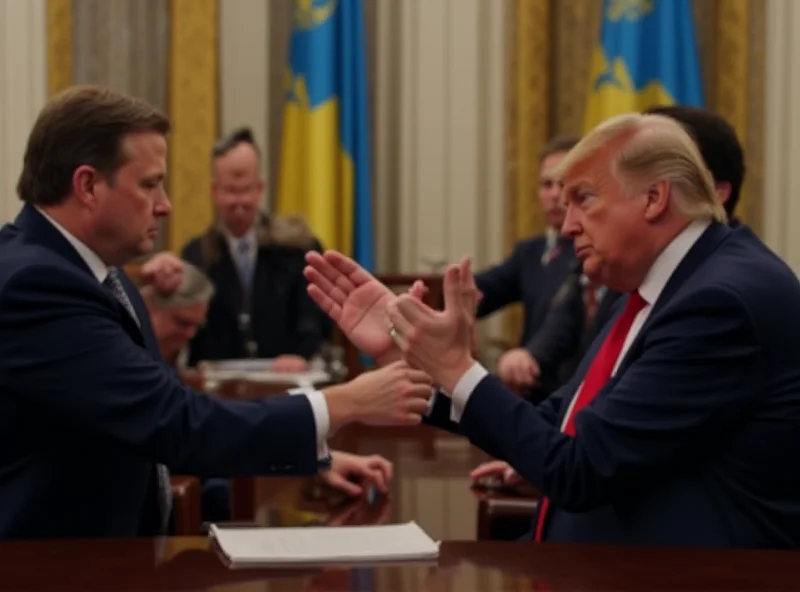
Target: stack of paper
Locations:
point(259, 371)
point(316, 545)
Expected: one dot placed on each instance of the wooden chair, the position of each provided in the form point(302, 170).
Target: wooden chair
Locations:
point(434, 298)
point(186, 500)
point(505, 518)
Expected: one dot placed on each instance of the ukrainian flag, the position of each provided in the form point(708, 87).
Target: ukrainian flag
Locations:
point(325, 151)
point(647, 55)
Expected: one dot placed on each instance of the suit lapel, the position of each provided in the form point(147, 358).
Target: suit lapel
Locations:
point(697, 255)
point(42, 231)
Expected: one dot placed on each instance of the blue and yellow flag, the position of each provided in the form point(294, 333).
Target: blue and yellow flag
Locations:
point(325, 152)
point(647, 55)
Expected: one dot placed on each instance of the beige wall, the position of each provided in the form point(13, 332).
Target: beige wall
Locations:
point(782, 131)
point(244, 84)
point(23, 79)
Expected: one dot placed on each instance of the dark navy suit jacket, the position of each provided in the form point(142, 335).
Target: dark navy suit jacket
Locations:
point(694, 440)
point(524, 278)
point(87, 406)
point(563, 339)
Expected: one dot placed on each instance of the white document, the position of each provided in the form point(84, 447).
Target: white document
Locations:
point(258, 371)
point(315, 545)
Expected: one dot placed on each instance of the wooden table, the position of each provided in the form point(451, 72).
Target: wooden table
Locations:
point(431, 484)
point(192, 564)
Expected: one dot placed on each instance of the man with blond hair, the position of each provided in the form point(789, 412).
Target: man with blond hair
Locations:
point(676, 427)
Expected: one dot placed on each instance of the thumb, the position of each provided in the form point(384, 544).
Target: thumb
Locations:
point(339, 482)
point(418, 289)
point(453, 305)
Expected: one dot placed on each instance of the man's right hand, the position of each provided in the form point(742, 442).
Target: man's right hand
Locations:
point(393, 395)
point(164, 272)
point(497, 469)
point(517, 368)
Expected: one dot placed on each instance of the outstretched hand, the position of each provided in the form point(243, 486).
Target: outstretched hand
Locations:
point(439, 342)
point(356, 301)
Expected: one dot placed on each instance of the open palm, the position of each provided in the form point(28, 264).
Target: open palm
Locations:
point(354, 299)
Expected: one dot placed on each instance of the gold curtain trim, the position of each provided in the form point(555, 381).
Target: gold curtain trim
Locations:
point(528, 129)
point(60, 55)
point(193, 109)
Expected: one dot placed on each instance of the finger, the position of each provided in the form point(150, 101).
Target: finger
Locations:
point(414, 309)
point(325, 302)
point(376, 477)
point(487, 469)
point(418, 405)
point(419, 377)
point(418, 289)
point(509, 475)
point(385, 466)
point(331, 272)
point(339, 482)
point(355, 274)
point(453, 305)
point(316, 278)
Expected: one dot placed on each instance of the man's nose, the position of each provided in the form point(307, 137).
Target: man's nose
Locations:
point(570, 227)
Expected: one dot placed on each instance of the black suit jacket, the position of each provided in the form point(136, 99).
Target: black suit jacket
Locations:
point(284, 320)
point(691, 442)
point(522, 277)
point(563, 338)
point(87, 406)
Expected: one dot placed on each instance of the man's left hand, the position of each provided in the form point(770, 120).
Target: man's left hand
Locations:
point(289, 363)
point(439, 343)
point(353, 474)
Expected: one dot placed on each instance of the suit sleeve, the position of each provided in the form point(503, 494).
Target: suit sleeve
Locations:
point(69, 357)
point(500, 284)
point(559, 336)
point(699, 370)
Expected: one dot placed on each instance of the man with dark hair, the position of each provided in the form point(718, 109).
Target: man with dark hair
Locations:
point(256, 262)
point(531, 275)
point(91, 419)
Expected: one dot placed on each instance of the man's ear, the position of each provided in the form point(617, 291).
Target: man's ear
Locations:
point(723, 191)
point(84, 180)
point(658, 195)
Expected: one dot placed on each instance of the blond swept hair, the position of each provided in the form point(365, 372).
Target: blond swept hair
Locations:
point(651, 148)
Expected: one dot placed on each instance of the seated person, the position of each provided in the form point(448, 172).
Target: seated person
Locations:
point(260, 308)
point(177, 296)
point(578, 319)
point(532, 275)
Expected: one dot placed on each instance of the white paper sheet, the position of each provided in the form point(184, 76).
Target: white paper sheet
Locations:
point(315, 545)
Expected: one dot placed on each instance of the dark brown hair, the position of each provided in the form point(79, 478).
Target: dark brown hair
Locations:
point(562, 143)
point(83, 125)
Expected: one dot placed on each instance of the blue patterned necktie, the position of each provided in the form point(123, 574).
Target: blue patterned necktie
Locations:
point(244, 263)
point(114, 285)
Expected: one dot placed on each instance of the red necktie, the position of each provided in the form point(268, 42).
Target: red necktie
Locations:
point(598, 374)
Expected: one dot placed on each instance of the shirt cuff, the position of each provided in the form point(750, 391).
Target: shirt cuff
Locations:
point(322, 420)
point(463, 390)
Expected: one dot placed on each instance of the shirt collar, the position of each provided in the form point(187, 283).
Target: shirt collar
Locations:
point(669, 259)
point(92, 259)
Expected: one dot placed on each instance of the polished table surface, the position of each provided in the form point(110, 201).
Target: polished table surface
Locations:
point(193, 564)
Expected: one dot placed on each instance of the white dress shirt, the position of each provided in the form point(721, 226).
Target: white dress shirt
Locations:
point(651, 288)
point(317, 400)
